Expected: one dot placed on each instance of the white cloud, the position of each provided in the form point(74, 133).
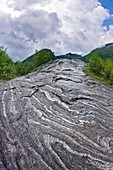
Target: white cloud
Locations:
point(62, 25)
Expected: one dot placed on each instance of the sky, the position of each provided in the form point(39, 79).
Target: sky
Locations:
point(76, 26)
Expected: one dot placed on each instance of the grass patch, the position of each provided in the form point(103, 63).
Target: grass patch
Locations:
point(99, 79)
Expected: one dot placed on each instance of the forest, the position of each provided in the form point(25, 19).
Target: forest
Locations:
point(10, 69)
point(101, 69)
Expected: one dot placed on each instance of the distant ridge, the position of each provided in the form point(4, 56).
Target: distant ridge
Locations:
point(67, 56)
point(104, 52)
point(30, 58)
point(70, 56)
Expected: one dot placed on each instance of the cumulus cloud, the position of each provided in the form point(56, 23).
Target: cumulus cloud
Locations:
point(62, 25)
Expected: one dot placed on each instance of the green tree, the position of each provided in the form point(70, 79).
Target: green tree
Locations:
point(43, 56)
point(28, 67)
point(111, 77)
point(96, 64)
point(19, 68)
point(7, 68)
point(108, 68)
point(23, 68)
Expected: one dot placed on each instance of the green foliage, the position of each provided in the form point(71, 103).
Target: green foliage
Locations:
point(96, 64)
point(19, 68)
point(111, 77)
point(28, 67)
point(43, 56)
point(7, 68)
point(104, 53)
point(108, 68)
point(100, 69)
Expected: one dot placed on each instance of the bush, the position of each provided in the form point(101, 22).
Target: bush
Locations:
point(43, 56)
point(7, 68)
point(108, 66)
point(100, 69)
point(96, 64)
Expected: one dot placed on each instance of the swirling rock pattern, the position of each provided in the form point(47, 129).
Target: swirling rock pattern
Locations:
point(57, 118)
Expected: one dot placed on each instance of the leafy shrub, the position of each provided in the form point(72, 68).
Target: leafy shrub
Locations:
point(101, 69)
point(7, 68)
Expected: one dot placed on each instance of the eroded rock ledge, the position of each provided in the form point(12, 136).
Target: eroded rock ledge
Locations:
point(56, 119)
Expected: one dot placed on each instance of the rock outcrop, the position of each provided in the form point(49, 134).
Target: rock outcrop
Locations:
point(57, 118)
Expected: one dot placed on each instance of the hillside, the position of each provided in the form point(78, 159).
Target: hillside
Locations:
point(104, 52)
point(69, 56)
point(10, 69)
point(57, 118)
point(64, 56)
point(30, 58)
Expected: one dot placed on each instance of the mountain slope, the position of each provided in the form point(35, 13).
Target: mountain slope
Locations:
point(104, 52)
point(57, 118)
point(69, 56)
point(31, 58)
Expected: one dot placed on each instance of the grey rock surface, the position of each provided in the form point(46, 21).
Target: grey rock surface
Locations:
point(57, 118)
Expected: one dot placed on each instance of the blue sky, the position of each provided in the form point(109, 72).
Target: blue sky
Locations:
point(108, 4)
point(63, 26)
